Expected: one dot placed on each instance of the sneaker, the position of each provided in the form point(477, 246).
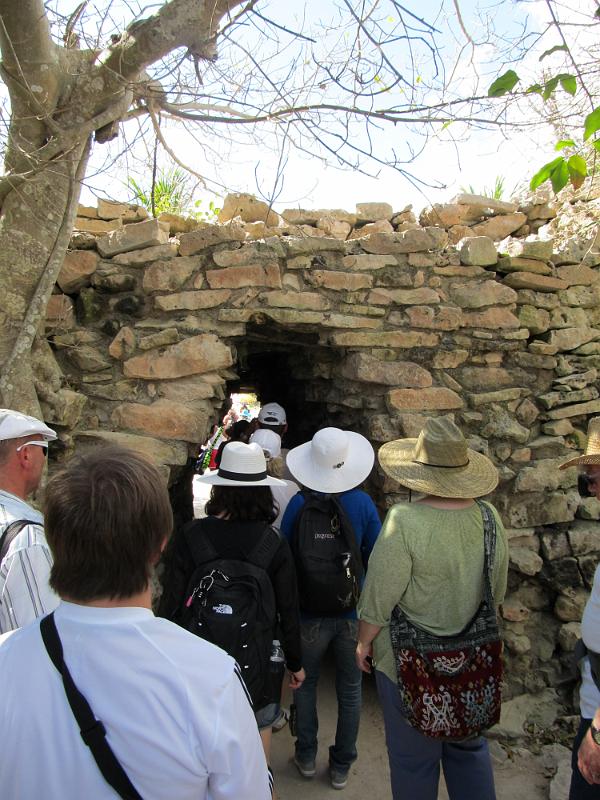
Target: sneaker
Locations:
point(307, 769)
point(338, 778)
point(281, 721)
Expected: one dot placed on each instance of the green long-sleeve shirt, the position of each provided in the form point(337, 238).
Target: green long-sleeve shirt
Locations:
point(430, 562)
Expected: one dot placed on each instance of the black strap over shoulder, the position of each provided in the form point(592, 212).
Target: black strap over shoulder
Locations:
point(489, 548)
point(92, 730)
point(12, 530)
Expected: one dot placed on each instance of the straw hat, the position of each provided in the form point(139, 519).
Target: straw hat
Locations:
point(439, 462)
point(332, 462)
point(592, 449)
point(241, 465)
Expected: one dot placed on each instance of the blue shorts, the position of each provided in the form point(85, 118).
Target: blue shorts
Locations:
point(266, 715)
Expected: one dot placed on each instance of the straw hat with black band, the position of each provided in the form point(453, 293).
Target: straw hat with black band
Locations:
point(241, 465)
point(439, 462)
point(592, 448)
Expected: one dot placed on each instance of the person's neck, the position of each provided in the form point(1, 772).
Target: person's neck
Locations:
point(140, 600)
point(445, 502)
point(12, 486)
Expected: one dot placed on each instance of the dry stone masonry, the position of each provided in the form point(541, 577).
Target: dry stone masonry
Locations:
point(485, 310)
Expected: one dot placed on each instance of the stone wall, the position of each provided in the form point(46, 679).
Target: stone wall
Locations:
point(474, 310)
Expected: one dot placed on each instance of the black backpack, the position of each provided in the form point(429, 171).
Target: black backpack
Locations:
point(327, 558)
point(231, 603)
point(12, 530)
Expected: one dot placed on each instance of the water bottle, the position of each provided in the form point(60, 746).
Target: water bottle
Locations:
point(277, 655)
point(276, 669)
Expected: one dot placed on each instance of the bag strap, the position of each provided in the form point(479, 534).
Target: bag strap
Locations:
point(12, 530)
point(266, 547)
point(489, 548)
point(91, 729)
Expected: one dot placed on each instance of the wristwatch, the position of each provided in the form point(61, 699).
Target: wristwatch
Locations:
point(595, 734)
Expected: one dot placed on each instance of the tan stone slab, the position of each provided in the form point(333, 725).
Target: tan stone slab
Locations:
point(289, 316)
point(542, 348)
point(499, 396)
point(519, 264)
point(449, 359)
point(157, 451)
point(77, 268)
point(159, 339)
point(207, 235)
point(478, 251)
point(96, 226)
point(404, 339)
point(250, 253)
point(535, 361)
point(431, 399)
point(537, 320)
point(147, 255)
point(197, 354)
point(413, 241)
point(539, 283)
point(441, 318)
point(583, 296)
point(348, 321)
point(89, 212)
point(249, 208)
point(578, 275)
point(311, 301)
point(170, 276)
point(483, 202)
point(531, 247)
point(380, 226)
point(237, 314)
point(460, 272)
point(340, 281)
point(481, 294)
point(496, 318)
point(369, 311)
point(365, 261)
point(570, 338)
point(267, 274)
point(123, 345)
point(450, 214)
point(299, 245)
point(593, 407)
point(60, 314)
point(132, 237)
point(501, 226)
point(367, 368)
point(163, 418)
point(371, 212)
point(192, 301)
point(111, 209)
point(186, 390)
point(553, 399)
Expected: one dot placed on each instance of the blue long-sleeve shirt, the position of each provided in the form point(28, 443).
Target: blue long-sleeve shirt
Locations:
point(362, 513)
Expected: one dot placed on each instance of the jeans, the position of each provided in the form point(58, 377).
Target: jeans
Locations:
point(580, 788)
point(317, 635)
point(415, 758)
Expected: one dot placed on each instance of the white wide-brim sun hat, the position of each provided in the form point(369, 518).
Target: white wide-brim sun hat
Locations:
point(241, 465)
point(333, 461)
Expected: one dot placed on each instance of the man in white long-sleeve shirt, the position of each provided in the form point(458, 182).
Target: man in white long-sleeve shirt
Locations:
point(24, 570)
point(175, 710)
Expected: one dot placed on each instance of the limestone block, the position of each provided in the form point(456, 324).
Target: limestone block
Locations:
point(537, 299)
point(76, 270)
point(66, 408)
point(589, 508)
point(253, 253)
point(146, 255)
point(449, 359)
point(518, 643)
point(541, 510)
point(88, 358)
point(525, 561)
point(406, 374)
point(584, 537)
point(300, 216)
point(478, 295)
point(570, 604)
point(290, 316)
point(553, 399)
point(404, 339)
point(539, 283)
point(313, 244)
point(335, 227)
point(533, 247)
point(537, 320)
point(267, 274)
point(578, 381)
point(312, 301)
point(366, 262)
point(207, 235)
point(542, 348)
point(527, 413)
point(170, 276)
point(186, 390)
point(513, 609)
point(519, 264)
point(134, 213)
point(193, 301)
point(499, 396)
point(123, 345)
point(249, 208)
point(132, 237)
point(435, 398)
point(543, 475)
point(555, 545)
point(501, 226)
point(478, 251)
point(197, 354)
point(348, 321)
point(80, 240)
point(495, 318)
point(96, 226)
point(578, 275)
point(568, 636)
point(339, 281)
point(155, 450)
point(583, 296)
point(60, 315)
point(371, 212)
point(87, 211)
point(177, 223)
point(485, 203)
point(442, 318)
point(568, 318)
point(502, 425)
point(413, 241)
point(570, 338)
point(159, 339)
point(541, 709)
point(534, 361)
point(486, 378)
point(458, 232)
point(163, 418)
point(448, 215)
point(368, 311)
point(381, 226)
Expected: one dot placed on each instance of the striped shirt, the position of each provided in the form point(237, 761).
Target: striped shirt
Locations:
point(24, 590)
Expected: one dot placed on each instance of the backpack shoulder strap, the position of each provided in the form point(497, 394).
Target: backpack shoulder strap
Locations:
point(199, 542)
point(91, 729)
point(12, 530)
point(489, 547)
point(263, 552)
point(349, 534)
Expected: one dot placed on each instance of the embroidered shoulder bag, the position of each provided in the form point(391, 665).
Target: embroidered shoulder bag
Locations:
point(450, 686)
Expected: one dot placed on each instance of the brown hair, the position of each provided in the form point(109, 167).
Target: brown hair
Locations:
point(107, 515)
point(243, 503)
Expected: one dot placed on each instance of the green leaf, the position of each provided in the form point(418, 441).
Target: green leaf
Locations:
point(447, 124)
point(505, 83)
point(577, 170)
point(564, 143)
point(554, 49)
point(592, 124)
point(549, 87)
point(568, 83)
point(560, 176)
point(544, 173)
point(535, 88)
point(596, 144)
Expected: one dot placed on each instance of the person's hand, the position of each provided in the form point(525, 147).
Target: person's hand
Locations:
point(364, 654)
point(297, 679)
point(588, 759)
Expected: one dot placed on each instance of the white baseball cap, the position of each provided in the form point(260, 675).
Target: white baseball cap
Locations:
point(14, 425)
point(272, 414)
point(268, 440)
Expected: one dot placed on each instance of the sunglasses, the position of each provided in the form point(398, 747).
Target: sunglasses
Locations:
point(585, 484)
point(35, 443)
